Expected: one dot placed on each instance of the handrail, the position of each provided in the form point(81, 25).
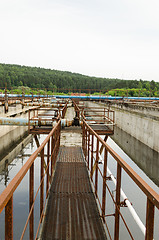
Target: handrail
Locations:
point(104, 117)
point(152, 196)
point(6, 197)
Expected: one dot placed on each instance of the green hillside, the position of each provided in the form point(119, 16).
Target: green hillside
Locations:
point(54, 80)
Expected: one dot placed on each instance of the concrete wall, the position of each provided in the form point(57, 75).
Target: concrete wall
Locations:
point(9, 135)
point(142, 122)
point(142, 126)
point(144, 108)
point(13, 152)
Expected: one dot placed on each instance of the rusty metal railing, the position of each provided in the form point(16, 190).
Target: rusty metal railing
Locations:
point(98, 114)
point(51, 143)
point(102, 120)
point(45, 114)
point(90, 141)
point(95, 114)
point(64, 110)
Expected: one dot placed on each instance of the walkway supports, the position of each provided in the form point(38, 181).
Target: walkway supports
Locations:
point(149, 220)
point(117, 208)
point(42, 182)
point(104, 183)
point(9, 220)
point(31, 200)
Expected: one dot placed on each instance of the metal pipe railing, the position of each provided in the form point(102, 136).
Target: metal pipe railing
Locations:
point(6, 198)
point(152, 196)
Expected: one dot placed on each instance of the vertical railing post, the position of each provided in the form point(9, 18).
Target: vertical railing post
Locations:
point(48, 158)
point(29, 121)
point(31, 200)
point(83, 137)
point(149, 220)
point(96, 170)
point(104, 115)
point(55, 148)
point(117, 208)
point(42, 184)
point(52, 153)
point(22, 99)
point(92, 150)
point(6, 101)
point(84, 132)
point(104, 183)
point(88, 148)
point(85, 141)
point(9, 220)
point(113, 119)
point(58, 131)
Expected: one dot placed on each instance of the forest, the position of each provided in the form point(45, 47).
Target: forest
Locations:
point(18, 77)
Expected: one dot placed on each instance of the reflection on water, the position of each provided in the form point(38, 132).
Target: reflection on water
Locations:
point(146, 158)
point(9, 167)
point(11, 158)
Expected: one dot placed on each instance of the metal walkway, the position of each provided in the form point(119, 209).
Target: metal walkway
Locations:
point(72, 211)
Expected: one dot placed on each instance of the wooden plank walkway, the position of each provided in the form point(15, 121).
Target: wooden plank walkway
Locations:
point(72, 211)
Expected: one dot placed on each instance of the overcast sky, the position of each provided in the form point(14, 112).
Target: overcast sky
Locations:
point(102, 38)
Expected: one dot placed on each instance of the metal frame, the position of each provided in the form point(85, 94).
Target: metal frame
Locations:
point(41, 114)
point(6, 198)
point(152, 196)
point(102, 120)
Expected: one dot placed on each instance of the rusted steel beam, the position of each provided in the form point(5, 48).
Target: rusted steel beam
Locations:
point(104, 183)
point(52, 152)
point(8, 192)
point(38, 145)
point(96, 171)
point(29, 121)
point(117, 207)
point(85, 150)
point(88, 149)
point(37, 141)
point(149, 192)
point(31, 200)
point(149, 220)
point(9, 220)
point(56, 105)
point(83, 139)
point(48, 158)
point(42, 182)
point(102, 146)
point(92, 150)
point(33, 122)
point(6, 101)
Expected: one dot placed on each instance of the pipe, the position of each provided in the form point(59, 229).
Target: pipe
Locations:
point(83, 97)
point(44, 104)
point(127, 202)
point(33, 122)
